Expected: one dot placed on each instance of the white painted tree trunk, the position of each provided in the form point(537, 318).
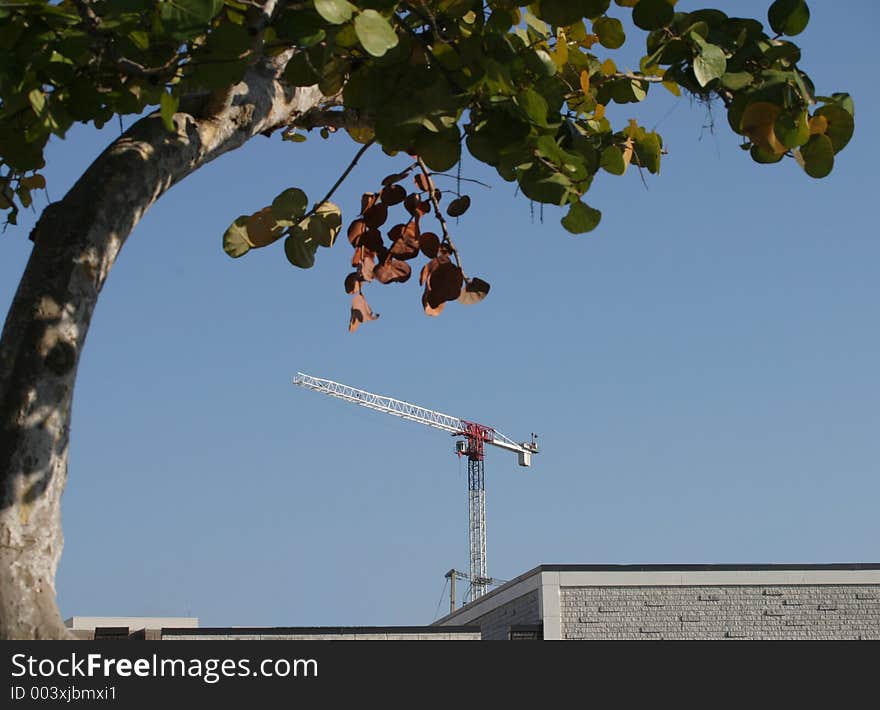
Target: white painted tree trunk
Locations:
point(76, 242)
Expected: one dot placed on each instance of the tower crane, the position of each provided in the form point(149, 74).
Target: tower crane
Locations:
point(472, 445)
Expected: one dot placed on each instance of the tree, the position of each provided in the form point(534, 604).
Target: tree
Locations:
point(523, 88)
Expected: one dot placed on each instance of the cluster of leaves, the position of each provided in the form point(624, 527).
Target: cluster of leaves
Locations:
point(286, 217)
point(768, 98)
point(520, 85)
point(373, 260)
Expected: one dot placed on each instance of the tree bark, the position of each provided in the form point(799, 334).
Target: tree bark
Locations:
point(76, 242)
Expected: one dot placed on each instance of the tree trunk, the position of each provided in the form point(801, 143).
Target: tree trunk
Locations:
point(76, 242)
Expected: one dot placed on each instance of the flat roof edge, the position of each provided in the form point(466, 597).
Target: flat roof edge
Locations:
point(770, 567)
point(314, 630)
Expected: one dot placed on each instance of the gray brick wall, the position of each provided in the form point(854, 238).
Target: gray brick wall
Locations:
point(722, 612)
point(495, 625)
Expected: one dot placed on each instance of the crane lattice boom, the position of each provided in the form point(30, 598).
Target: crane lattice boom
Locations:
point(475, 437)
point(414, 413)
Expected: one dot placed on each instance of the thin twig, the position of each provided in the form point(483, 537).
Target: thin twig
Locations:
point(342, 177)
point(437, 213)
point(463, 179)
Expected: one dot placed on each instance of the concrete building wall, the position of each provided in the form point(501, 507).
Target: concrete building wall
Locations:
point(573, 602)
point(523, 610)
point(729, 612)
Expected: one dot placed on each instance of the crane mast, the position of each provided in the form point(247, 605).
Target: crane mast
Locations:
point(474, 439)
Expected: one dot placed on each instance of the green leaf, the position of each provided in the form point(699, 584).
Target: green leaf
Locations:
point(648, 151)
point(612, 160)
point(37, 99)
point(167, 108)
point(535, 106)
point(818, 156)
point(763, 156)
point(559, 13)
point(652, 14)
point(183, 19)
point(840, 125)
point(788, 17)
point(375, 32)
point(581, 218)
point(235, 241)
point(541, 184)
point(610, 32)
point(335, 11)
point(300, 248)
point(792, 130)
point(736, 80)
point(593, 8)
point(290, 205)
point(440, 151)
point(324, 225)
point(710, 64)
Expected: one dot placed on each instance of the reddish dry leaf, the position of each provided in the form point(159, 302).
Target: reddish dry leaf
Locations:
point(393, 178)
point(353, 283)
point(396, 232)
point(427, 270)
point(360, 312)
point(473, 291)
point(458, 206)
point(368, 265)
point(368, 199)
point(444, 283)
point(355, 230)
point(376, 215)
point(393, 270)
point(405, 248)
point(415, 206)
point(372, 240)
point(432, 310)
point(429, 243)
point(393, 195)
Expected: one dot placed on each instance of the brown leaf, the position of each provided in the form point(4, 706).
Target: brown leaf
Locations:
point(429, 243)
point(368, 265)
point(422, 182)
point(396, 232)
point(444, 252)
point(393, 270)
point(432, 310)
point(458, 206)
point(405, 248)
point(393, 178)
point(393, 195)
point(376, 215)
point(355, 230)
point(473, 291)
point(372, 240)
point(360, 312)
point(444, 283)
point(368, 199)
point(411, 202)
point(353, 283)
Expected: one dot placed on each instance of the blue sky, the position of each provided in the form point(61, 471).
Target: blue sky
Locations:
point(702, 371)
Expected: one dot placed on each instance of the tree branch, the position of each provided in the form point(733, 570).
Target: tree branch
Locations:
point(432, 188)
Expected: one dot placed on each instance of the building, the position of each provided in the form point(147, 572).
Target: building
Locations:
point(567, 602)
point(177, 628)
